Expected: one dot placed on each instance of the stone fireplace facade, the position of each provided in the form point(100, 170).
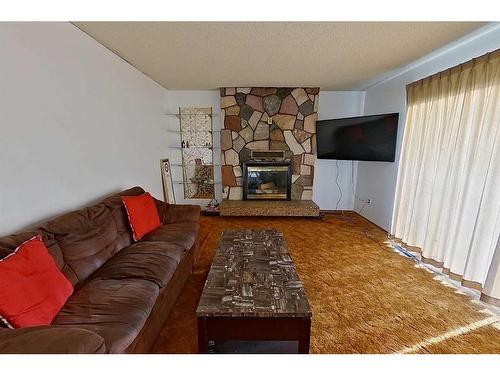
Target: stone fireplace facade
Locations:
point(263, 119)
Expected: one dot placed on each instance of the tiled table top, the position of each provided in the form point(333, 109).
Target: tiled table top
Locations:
point(253, 275)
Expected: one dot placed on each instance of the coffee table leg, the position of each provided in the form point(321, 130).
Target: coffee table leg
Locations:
point(202, 336)
point(305, 336)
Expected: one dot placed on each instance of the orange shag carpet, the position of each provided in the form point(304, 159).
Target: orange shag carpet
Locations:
point(365, 297)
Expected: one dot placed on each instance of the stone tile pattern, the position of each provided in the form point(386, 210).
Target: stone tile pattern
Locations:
point(244, 115)
point(269, 208)
point(253, 275)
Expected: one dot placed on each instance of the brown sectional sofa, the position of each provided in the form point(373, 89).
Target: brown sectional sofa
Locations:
point(124, 290)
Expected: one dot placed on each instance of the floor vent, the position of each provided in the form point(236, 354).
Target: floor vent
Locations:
point(268, 155)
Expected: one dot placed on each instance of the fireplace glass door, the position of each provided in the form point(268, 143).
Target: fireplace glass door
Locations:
point(266, 181)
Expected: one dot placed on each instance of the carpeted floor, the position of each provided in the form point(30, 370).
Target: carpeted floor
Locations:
point(365, 297)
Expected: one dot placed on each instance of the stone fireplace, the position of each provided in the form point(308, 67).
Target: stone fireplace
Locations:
point(268, 119)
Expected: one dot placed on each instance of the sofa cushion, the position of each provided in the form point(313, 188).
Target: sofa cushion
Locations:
point(119, 214)
point(50, 340)
point(152, 261)
point(114, 309)
point(177, 213)
point(181, 234)
point(87, 239)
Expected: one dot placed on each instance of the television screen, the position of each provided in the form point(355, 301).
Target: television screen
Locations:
point(370, 138)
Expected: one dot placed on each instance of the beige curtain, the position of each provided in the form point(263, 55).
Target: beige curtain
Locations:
point(448, 191)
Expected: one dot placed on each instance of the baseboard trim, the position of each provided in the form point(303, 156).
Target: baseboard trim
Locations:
point(490, 300)
point(322, 212)
point(334, 211)
point(371, 222)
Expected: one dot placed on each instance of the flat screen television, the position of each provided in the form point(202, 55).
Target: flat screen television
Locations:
point(369, 138)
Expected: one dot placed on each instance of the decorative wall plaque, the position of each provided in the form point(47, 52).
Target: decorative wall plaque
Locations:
point(166, 178)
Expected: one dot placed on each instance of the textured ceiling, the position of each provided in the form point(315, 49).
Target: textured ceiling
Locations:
point(332, 55)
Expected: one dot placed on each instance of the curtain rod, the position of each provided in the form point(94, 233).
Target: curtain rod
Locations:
point(447, 70)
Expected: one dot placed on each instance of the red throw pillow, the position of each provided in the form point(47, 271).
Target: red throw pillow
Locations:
point(32, 288)
point(142, 214)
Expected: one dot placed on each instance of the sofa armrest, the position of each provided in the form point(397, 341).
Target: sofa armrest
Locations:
point(177, 213)
point(50, 340)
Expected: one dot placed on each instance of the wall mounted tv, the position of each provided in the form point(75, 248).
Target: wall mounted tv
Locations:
point(369, 138)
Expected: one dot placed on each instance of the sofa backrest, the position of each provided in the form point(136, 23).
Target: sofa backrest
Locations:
point(91, 236)
point(82, 241)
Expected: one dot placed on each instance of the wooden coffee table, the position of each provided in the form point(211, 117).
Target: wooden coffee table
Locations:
point(253, 292)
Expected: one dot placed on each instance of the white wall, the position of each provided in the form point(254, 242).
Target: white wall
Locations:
point(377, 181)
point(189, 98)
point(336, 104)
point(76, 123)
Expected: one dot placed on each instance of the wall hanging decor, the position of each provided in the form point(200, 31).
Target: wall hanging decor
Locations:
point(196, 135)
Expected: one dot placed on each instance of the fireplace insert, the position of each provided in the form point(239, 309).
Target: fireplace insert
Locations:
point(267, 180)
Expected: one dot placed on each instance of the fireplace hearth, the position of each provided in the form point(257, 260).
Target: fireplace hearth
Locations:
point(267, 180)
